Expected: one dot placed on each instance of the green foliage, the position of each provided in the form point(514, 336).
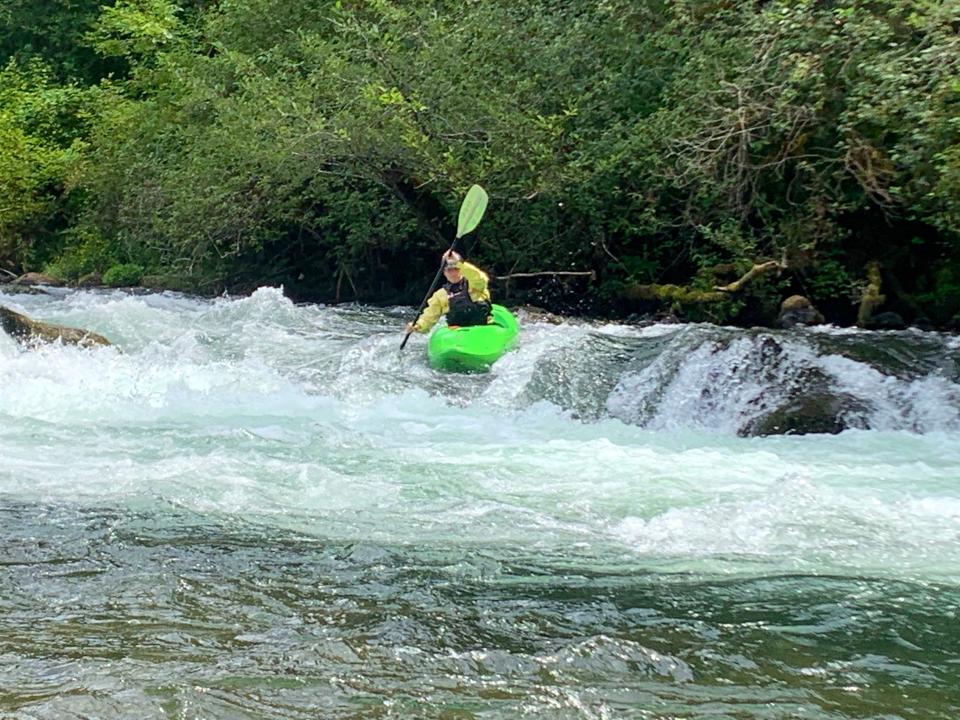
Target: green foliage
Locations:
point(53, 113)
point(285, 138)
point(135, 29)
point(50, 31)
point(941, 294)
point(85, 252)
point(38, 124)
point(832, 280)
point(944, 193)
point(22, 163)
point(328, 145)
point(123, 275)
point(723, 242)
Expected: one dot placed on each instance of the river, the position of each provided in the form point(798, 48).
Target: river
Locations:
point(249, 508)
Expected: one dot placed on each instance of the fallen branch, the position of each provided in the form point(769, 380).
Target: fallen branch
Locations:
point(569, 273)
point(759, 269)
point(11, 274)
point(686, 294)
point(674, 294)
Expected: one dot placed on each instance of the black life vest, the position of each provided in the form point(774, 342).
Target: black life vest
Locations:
point(463, 310)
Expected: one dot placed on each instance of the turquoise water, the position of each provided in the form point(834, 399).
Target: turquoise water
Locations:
point(251, 509)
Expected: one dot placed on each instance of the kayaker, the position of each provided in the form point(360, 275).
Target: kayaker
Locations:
point(464, 298)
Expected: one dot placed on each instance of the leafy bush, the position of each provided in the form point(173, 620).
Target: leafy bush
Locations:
point(39, 150)
point(125, 275)
point(326, 146)
point(85, 252)
point(942, 299)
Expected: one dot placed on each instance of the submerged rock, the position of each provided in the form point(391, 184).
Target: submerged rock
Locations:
point(24, 328)
point(809, 413)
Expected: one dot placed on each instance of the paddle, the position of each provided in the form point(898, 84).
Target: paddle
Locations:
point(471, 212)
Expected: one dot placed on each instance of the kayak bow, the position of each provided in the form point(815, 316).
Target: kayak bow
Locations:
point(476, 348)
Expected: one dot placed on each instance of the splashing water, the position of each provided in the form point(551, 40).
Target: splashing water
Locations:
point(250, 508)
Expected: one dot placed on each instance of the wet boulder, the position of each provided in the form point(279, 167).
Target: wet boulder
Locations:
point(798, 310)
point(26, 329)
point(816, 412)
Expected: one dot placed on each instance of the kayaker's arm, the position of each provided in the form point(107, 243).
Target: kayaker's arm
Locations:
point(477, 280)
point(437, 306)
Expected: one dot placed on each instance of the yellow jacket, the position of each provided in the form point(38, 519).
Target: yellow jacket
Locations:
point(439, 304)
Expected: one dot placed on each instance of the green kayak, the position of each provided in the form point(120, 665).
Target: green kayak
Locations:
point(474, 349)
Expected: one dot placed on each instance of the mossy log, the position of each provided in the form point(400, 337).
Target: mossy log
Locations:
point(871, 298)
point(686, 294)
point(674, 293)
point(24, 328)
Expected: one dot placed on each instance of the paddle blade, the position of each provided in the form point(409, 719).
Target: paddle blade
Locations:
point(471, 211)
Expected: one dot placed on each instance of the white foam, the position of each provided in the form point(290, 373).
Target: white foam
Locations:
point(310, 418)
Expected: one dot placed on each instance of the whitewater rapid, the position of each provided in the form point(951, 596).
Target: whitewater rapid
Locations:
point(590, 504)
point(310, 417)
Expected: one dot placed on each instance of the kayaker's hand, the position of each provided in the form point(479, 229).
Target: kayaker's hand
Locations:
point(410, 327)
point(451, 255)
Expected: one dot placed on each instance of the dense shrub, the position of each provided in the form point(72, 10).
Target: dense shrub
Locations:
point(125, 275)
point(327, 146)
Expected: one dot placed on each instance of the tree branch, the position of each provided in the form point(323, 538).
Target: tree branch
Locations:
point(674, 293)
point(760, 269)
point(585, 273)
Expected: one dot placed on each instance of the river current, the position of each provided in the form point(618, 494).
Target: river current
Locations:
point(248, 508)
